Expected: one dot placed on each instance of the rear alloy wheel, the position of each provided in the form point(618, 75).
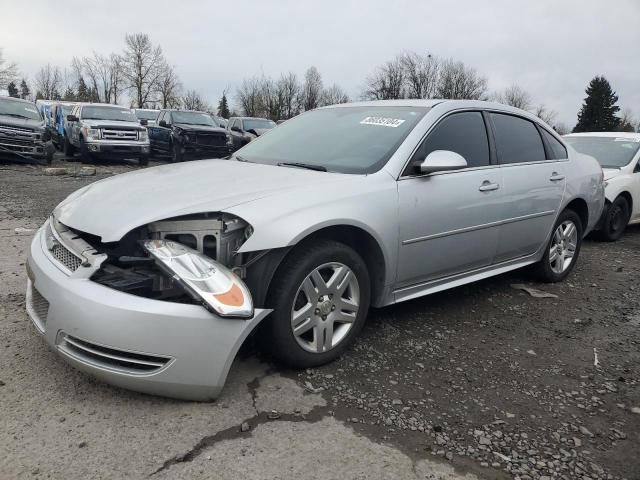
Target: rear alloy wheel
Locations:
point(563, 248)
point(320, 298)
point(615, 220)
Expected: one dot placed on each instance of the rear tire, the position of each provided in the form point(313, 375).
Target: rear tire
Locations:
point(562, 250)
point(314, 328)
point(615, 220)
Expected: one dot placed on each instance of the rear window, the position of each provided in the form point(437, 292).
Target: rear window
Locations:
point(611, 152)
point(517, 139)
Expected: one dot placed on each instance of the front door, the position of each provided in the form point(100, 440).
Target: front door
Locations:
point(450, 221)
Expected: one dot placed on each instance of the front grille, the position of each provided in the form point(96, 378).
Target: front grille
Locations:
point(37, 307)
point(7, 128)
point(65, 257)
point(124, 135)
point(211, 140)
point(18, 139)
point(111, 358)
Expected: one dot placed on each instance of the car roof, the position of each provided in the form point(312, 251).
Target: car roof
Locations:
point(182, 110)
point(251, 118)
point(630, 135)
point(14, 99)
point(111, 105)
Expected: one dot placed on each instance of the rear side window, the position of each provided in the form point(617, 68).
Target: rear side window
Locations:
point(517, 140)
point(464, 133)
point(558, 152)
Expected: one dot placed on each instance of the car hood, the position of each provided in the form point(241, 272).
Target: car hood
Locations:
point(21, 122)
point(112, 207)
point(609, 173)
point(112, 124)
point(198, 128)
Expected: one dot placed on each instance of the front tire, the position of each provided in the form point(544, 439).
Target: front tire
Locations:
point(176, 154)
point(561, 253)
point(85, 156)
point(67, 148)
point(320, 297)
point(615, 220)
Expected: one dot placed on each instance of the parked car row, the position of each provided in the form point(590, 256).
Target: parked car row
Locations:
point(298, 233)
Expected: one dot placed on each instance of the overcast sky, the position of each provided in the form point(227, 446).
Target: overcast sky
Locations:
point(551, 48)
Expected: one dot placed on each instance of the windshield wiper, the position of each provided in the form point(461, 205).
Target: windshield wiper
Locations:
point(308, 166)
point(241, 159)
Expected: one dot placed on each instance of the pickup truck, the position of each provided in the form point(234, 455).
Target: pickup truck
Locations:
point(108, 132)
point(23, 134)
point(188, 134)
point(245, 129)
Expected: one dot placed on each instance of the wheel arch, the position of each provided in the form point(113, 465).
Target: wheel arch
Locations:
point(580, 206)
point(363, 242)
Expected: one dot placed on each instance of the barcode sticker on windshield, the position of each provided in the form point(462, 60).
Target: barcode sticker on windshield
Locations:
point(383, 121)
point(32, 110)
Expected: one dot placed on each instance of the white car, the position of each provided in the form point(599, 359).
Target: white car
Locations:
point(619, 155)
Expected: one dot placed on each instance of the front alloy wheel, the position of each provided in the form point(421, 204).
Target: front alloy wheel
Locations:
point(325, 307)
point(320, 297)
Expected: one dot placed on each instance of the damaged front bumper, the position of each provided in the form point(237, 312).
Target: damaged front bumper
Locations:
point(151, 346)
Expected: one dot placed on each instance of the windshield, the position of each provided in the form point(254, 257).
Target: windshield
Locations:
point(66, 109)
point(258, 123)
point(611, 152)
point(147, 114)
point(108, 113)
point(341, 139)
point(194, 118)
point(17, 109)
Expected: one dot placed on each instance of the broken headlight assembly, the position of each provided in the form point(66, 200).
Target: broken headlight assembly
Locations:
point(215, 286)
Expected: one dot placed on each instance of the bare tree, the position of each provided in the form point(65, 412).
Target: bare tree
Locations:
point(142, 62)
point(249, 97)
point(545, 114)
point(48, 82)
point(514, 96)
point(192, 100)
point(311, 89)
point(289, 92)
point(457, 81)
point(334, 95)
point(169, 87)
point(117, 75)
point(420, 75)
point(387, 82)
point(8, 72)
point(561, 128)
point(627, 122)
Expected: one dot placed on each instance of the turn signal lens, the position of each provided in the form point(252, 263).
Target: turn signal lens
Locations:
point(219, 289)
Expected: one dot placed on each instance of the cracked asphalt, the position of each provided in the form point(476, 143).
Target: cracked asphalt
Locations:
point(484, 381)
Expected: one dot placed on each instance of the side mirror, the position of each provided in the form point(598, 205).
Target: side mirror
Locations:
point(236, 129)
point(442, 161)
point(72, 118)
point(144, 122)
point(163, 123)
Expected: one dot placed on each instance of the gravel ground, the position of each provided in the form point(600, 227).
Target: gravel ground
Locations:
point(485, 378)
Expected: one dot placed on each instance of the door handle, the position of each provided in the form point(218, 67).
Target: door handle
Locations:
point(487, 186)
point(556, 177)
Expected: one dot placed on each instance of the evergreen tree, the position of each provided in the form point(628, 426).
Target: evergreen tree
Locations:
point(69, 95)
point(223, 107)
point(598, 113)
point(83, 92)
point(39, 95)
point(24, 89)
point(13, 90)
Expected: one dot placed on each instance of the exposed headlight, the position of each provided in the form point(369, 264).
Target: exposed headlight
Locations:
point(91, 133)
point(144, 136)
point(219, 289)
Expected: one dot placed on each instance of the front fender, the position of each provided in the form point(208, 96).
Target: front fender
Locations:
point(617, 185)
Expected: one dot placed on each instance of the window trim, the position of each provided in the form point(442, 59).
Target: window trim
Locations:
point(544, 140)
point(538, 127)
point(492, 157)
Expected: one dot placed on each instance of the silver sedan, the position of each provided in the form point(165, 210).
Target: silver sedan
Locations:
point(152, 280)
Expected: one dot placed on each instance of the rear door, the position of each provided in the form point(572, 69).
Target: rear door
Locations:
point(449, 221)
point(534, 183)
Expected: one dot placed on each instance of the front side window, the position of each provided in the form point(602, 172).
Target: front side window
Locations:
point(464, 133)
point(558, 151)
point(108, 113)
point(341, 139)
point(610, 152)
point(517, 139)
